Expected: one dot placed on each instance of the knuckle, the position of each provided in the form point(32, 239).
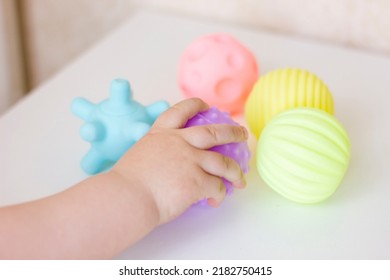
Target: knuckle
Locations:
point(226, 163)
point(231, 168)
point(238, 132)
point(167, 118)
point(196, 101)
point(174, 110)
point(222, 188)
point(212, 133)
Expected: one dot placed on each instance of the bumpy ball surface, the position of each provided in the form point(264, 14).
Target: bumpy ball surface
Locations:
point(220, 70)
point(285, 89)
point(113, 125)
point(237, 151)
point(303, 154)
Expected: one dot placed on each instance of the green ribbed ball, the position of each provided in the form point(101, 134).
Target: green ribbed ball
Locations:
point(303, 154)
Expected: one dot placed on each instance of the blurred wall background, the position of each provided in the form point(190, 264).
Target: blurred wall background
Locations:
point(12, 75)
point(55, 32)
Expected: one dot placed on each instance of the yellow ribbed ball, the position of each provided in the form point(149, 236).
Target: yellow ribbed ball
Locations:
point(284, 89)
point(303, 154)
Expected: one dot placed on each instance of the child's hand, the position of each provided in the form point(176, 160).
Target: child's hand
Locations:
point(172, 165)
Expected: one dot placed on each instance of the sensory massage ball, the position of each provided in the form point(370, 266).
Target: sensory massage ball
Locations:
point(218, 69)
point(237, 151)
point(285, 89)
point(303, 154)
point(113, 125)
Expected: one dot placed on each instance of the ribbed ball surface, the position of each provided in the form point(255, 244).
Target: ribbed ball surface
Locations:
point(285, 89)
point(303, 154)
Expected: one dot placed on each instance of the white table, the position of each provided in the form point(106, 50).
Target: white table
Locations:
point(40, 148)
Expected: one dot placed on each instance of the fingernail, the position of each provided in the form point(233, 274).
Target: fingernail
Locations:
point(240, 184)
point(212, 202)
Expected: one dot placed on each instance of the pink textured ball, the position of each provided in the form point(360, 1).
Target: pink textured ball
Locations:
point(220, 70)
point(237, 151)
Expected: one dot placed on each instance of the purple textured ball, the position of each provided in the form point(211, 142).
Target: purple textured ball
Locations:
point(237, 151)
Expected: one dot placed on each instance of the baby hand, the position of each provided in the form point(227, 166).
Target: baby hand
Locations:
point(172, 165)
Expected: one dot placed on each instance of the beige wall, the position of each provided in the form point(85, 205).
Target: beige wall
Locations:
point(57, 31)
point(12, 84)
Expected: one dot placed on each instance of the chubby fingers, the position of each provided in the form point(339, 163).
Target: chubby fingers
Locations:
point(207, 136)
point(216, 167)
point(178, 115)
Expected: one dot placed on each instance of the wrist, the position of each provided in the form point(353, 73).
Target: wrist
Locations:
point(139, 196)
